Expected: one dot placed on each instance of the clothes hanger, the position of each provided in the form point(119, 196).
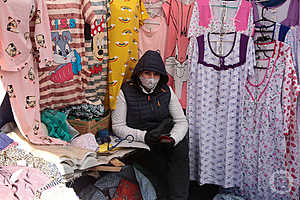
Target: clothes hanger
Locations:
point(263, 18)
point(221, 40)
point(259, 50)
point(153, 6)
point(223, 5)
point(264, 37)
point(258, 57)
point(156, 5)
point(259, 30)
point(149, 21)
point(258, 67)
point(221, 33)
point(258, 1)
point(150, 3)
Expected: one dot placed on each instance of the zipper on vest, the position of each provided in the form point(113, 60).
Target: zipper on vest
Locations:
point(149, 98)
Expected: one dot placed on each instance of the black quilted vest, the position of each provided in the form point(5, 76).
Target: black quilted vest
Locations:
point(146, 111)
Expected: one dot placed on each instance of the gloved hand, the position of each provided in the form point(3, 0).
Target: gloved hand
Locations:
point(153, 136)
point(167, 143)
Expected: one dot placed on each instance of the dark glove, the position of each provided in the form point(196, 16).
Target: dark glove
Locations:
point(153, 136)
point(167, 144)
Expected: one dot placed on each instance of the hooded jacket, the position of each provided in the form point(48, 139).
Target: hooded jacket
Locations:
point(146, 111)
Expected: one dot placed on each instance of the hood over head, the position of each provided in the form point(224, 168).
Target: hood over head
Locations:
point(152, 61)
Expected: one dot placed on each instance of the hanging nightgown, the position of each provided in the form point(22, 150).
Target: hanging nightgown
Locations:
point(288, 16)
point(153, 36)
point(288, 35)
point(178, 15)
point(96, 53)
point(127, 17)
point(268, 114)
point(215, 88)
point(18, 70)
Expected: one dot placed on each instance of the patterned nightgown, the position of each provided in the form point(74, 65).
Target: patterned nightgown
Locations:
point(288, 35)
point(20, 19)
point(215, 88)
point(268, 115)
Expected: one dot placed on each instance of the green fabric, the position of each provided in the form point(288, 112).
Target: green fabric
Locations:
point(56, 124)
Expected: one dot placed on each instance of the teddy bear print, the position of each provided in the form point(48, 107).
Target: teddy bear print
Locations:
point(48, 62)
point(30, 75)
point(36, 127)
point(4, 1)
point(36, 54)
point(12, 25)
point(41, 40)
point(10, 91)
point(30, 102)
point(32, 11)
point(38, 17)
point(26, 35)
point(11, 50)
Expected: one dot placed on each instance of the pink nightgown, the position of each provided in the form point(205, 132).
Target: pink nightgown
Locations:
point(178, 17)
point(18, 72)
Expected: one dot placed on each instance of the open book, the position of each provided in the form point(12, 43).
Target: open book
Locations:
point(69, 159)
point(128, 144)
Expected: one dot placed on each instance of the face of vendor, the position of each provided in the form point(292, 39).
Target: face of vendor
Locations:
point(150, 74)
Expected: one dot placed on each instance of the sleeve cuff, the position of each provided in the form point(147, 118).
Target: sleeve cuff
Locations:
point(140, 136)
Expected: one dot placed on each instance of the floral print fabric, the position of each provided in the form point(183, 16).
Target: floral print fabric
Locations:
point(214, 113)
point(268, 120)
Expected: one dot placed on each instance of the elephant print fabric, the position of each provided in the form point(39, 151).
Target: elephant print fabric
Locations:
point(18, 69)
point(63, 83)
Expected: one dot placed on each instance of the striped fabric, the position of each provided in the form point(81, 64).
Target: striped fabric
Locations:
point(63, 83)
point(96, 54)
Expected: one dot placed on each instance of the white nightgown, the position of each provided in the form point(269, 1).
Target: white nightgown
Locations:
point(215, 88)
